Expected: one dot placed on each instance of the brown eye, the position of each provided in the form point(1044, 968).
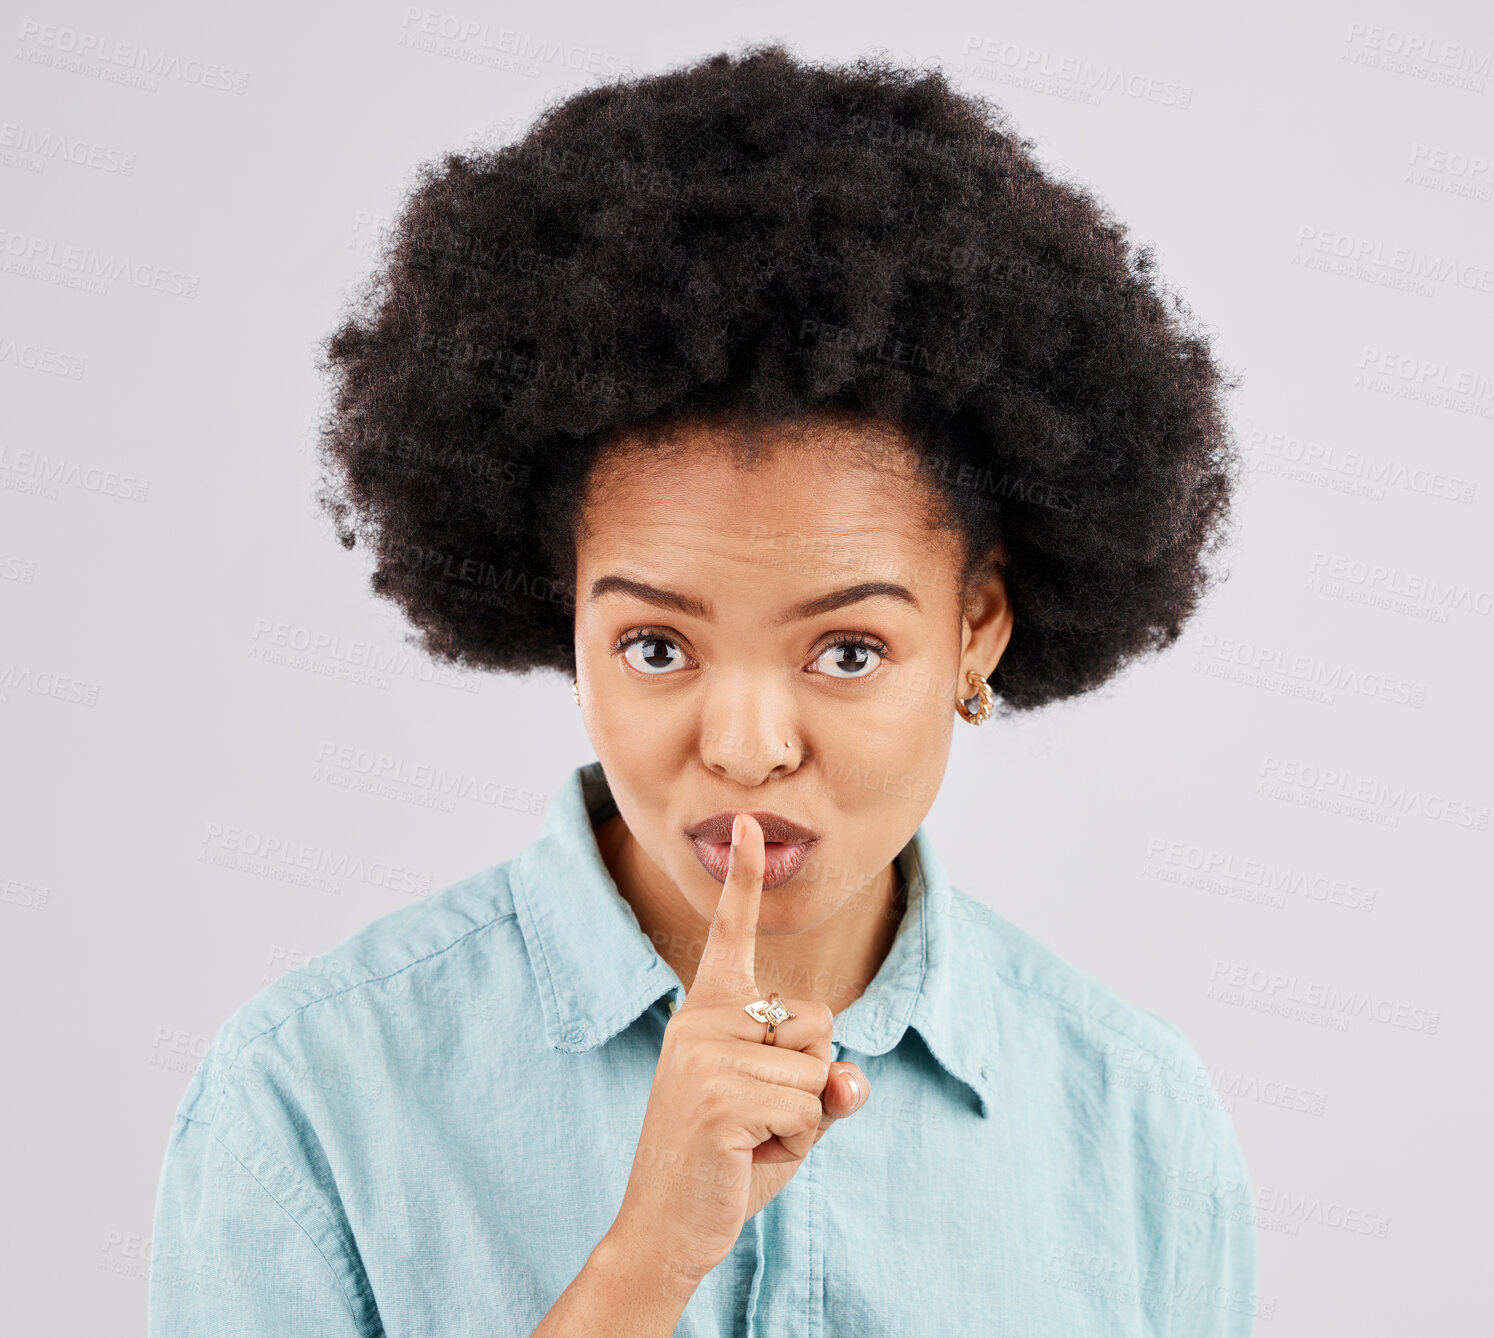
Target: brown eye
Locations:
point(849, 659)
point(650, 654)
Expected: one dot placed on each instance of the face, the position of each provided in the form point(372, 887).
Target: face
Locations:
point(786, 638)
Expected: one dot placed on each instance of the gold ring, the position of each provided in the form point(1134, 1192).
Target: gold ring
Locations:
point(772, 1011)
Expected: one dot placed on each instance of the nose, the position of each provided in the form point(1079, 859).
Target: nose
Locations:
point(749, 732)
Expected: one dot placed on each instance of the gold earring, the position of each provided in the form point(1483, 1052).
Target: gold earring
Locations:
point(987, 701)
point(575, 692)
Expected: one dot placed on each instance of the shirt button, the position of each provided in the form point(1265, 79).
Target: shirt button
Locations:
point(577, 1036)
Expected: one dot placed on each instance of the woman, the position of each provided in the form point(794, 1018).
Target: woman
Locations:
point(798, 414)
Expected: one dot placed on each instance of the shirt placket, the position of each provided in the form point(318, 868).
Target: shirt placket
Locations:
point(787, 1297)
point(788, 1287)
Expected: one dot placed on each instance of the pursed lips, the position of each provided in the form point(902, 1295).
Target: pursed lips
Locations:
point(786, 844)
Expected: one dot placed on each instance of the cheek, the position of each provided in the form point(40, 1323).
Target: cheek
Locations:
point(648, 773)
point(896, 744)
point(880, 784)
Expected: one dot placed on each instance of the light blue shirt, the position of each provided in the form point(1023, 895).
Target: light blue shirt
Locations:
point(424, 1132)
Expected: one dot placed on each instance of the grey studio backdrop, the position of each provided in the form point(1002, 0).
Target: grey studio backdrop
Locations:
point(219, 747)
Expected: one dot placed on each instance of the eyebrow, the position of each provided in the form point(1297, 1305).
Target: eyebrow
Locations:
point(695, 607)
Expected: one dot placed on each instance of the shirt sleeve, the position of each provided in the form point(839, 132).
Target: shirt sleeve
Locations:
point(1213, 1291)
point(243, 1249)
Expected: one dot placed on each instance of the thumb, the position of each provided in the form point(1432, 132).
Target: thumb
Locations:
point(846, 1091)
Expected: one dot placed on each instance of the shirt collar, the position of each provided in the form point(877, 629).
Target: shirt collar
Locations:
point(596, 970)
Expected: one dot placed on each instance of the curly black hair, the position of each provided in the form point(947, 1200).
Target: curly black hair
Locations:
point(764, 238)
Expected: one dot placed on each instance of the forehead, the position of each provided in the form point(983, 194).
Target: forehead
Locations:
point(807, 507)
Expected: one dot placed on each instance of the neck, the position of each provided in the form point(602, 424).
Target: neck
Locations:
point(832, 963)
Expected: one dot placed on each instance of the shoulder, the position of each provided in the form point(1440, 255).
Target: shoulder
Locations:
point(449, 942)
point(1046, 984)
point(1141, 1069)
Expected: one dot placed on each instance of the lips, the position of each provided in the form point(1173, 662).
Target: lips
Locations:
point(775, 826)
point(786, 844)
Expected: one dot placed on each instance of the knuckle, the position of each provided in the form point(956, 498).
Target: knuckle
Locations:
point(722, 1145)
point(715, 1100)
point(705, 1059)
point(692, 1053)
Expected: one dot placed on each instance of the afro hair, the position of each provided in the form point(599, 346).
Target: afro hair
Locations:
point(759, 236)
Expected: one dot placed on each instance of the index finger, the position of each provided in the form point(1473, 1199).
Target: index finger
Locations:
point(727, 968)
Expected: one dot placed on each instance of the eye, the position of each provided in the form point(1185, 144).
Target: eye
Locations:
point(851, 657)
point(649, 653)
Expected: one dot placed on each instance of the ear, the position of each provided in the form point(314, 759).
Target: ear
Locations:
point(986, 625)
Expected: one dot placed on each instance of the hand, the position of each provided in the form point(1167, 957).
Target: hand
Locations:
point(729, 1119)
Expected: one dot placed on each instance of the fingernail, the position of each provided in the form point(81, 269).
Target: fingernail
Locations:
point(855, 1090)
point(736, 830)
